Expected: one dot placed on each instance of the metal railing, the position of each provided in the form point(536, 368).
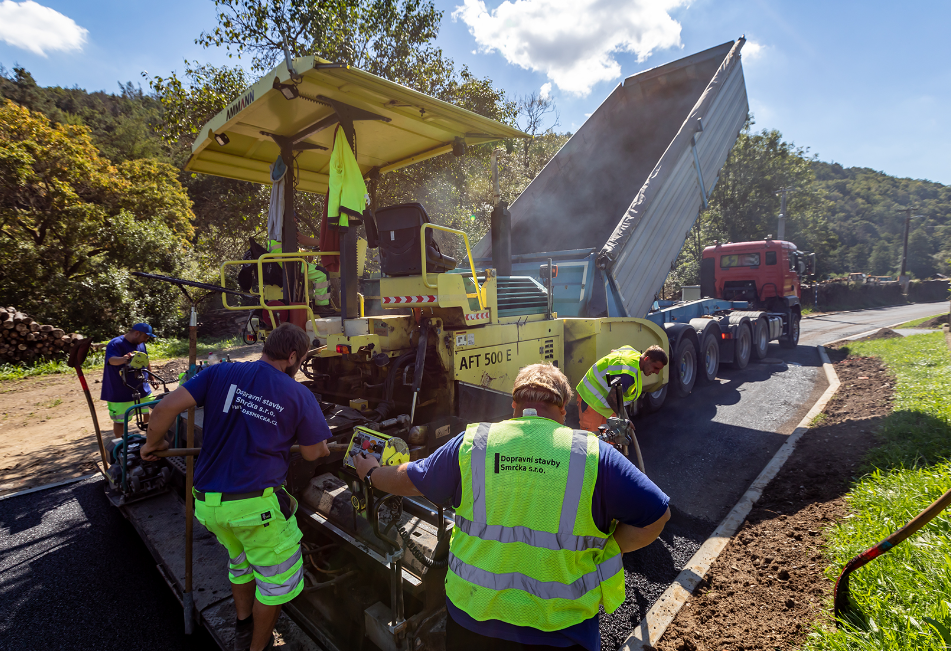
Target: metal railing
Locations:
point(479, 293)
point(279, 258)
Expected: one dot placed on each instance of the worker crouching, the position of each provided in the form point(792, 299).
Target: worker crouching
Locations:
point(596, 401)
point(543, 514)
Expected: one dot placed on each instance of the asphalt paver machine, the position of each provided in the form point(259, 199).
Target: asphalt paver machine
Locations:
point(441, 350)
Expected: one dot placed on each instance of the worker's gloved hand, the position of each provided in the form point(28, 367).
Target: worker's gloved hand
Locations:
point(147, 450)
point(364, 463)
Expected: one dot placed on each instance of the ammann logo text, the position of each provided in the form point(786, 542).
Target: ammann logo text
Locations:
point(242, 103)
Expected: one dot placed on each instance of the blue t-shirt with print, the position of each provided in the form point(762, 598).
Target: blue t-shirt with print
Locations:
point(113, 390)
point(253, 414)
point(621, 492)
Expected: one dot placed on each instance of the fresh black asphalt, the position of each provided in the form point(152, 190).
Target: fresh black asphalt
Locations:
point(74, 575)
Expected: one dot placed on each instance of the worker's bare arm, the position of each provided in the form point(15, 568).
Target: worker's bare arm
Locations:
point(163, 415)
point(389, 479)
point(314, 452)
point(630, 538)
point(119, 361)
point(395, 480)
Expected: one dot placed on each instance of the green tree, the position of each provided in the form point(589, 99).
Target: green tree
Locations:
point(745, 202)
point(744, 205)
point(882, 260)
point(74, 226)
point(920, 254)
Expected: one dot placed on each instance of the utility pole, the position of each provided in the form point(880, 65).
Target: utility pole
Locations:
point(902, 277)
point(781, 228)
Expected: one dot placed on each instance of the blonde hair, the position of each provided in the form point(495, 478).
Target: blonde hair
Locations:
point(542, 383)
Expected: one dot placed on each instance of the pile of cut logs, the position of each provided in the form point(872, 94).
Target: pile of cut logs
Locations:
point(23, 340)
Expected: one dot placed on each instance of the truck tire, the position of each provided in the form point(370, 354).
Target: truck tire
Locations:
point(742, 346)
point(791, 340)
point(760, 338)
point(654, 401)
point(709, 358)
point(684, 368)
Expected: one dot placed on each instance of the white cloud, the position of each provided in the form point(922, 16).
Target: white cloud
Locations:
point(752, 50)
point(39, 29)
point(572, 41)
point(545, 91)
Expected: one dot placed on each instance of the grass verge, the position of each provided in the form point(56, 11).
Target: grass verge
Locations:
point(159, 349)
point(917, 322)
point(905, 595)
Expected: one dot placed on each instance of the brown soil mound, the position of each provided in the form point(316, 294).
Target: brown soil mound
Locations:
point(883, 333)
point(934, 322)
point(767, 587)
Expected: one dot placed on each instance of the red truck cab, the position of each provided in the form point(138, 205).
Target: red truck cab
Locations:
point(766, 273)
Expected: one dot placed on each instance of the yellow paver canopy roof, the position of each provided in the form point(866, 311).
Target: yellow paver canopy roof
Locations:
point(395, 126)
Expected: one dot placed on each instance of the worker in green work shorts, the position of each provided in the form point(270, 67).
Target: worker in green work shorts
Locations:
point(254, 412)
point(115, 392)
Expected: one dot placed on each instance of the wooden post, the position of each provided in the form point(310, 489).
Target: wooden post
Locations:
point(188, 599)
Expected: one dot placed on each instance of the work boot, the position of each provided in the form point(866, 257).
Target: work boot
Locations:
point(243, 630)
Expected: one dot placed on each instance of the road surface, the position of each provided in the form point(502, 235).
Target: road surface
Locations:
point(74, 574)
point(820, 329)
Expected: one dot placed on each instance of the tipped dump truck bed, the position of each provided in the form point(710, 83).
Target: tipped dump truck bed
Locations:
point(626, 184)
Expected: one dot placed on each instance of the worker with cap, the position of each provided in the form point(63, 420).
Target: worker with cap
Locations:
point(254, 412)
point(116, 393)
point(275, 230)
point(596, 399)
point(543, 514)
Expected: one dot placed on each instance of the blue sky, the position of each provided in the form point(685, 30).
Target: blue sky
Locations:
point(860, 83)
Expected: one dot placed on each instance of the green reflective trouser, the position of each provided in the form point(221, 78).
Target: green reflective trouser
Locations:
point(262, 539)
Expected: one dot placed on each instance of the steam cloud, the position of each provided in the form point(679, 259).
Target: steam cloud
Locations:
point(572, 41)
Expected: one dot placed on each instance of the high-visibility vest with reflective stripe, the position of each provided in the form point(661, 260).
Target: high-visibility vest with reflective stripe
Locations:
point(525, 549)
point(318, 279)
point(594, 386)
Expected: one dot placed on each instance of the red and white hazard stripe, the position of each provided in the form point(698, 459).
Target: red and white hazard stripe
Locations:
point(408, 300)
point(477, 316)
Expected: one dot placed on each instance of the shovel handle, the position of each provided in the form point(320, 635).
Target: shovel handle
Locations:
point(194, 452)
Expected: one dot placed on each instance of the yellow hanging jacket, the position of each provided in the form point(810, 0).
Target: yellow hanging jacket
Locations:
point(347, 196)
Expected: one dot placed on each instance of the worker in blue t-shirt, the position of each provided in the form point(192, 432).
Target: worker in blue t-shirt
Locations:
point(628, 511)
point(254, 412)
point(116, 394)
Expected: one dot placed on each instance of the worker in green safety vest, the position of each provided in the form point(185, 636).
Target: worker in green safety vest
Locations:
point(543, 514)
point(315, 273)
point(596, 401)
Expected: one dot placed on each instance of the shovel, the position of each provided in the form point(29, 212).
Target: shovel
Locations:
point(77, 355)
point(843, 606)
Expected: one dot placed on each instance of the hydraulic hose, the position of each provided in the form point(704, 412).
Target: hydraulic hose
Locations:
point(418, 553)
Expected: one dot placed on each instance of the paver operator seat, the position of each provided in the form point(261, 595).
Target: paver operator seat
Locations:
point(396, 232)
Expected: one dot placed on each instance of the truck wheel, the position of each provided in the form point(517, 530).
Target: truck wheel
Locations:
point(684, 368)
point(709, 358)
point(792, 340)
point(760, 338)
point(654, 401)
point(742, 346)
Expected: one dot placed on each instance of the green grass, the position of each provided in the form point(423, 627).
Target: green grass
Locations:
point(917, 322)
point(159, 349)
point(905, 595)
point(173, 348)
